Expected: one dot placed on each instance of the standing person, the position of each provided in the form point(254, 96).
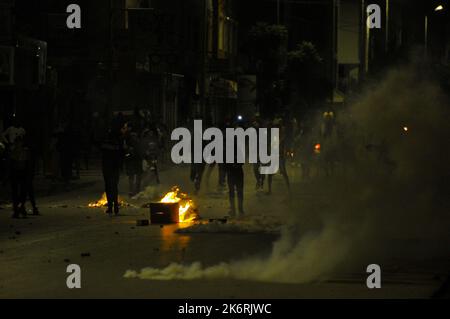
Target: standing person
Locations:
point(235, 179)
point(32, 148)
point(133, 161)
point(112, 159)
point(21, 177)
point(150, 149)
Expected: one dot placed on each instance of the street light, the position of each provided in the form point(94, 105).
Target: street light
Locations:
point(437, 9)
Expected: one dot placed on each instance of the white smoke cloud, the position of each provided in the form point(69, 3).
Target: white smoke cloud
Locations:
point(394, 187)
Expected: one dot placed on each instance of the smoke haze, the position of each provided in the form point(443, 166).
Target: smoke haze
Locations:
point(388, 196)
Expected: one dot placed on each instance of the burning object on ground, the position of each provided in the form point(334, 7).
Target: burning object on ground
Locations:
point(175, 207)
point(103, 202)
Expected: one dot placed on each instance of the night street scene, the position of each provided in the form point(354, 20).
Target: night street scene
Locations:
point(225, 149)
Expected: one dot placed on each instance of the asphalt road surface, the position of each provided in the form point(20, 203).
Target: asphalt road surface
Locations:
point(35, 252)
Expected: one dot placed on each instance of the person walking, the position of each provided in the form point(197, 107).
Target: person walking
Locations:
point(112, 160)
point(235, 180)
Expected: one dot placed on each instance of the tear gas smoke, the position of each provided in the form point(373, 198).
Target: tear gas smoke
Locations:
point(388, 195)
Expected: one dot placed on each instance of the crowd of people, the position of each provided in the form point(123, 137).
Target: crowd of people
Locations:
point(136, 145)
point(299, 146)
point(232, 174)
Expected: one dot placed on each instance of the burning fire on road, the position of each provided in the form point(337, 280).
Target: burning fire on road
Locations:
point(103, 202)
point(174, 207)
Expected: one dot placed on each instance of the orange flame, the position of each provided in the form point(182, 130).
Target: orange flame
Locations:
point(317, 148)
point(103, 202)
point(187, 212)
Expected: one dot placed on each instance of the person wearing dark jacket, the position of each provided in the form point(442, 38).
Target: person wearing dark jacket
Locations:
point(235, 181)
point(21, 178)
point(112, 160)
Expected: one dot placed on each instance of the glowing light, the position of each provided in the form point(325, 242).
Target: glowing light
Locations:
point(187, 212)
point(103, 202)
point(439, 8)
point(317, 148)
point(405, 128)
point(240, 118)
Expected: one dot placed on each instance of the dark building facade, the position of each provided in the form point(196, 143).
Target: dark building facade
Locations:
point(180, 59)
point(127, 54)
point(221, 69)
point(350, 51)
